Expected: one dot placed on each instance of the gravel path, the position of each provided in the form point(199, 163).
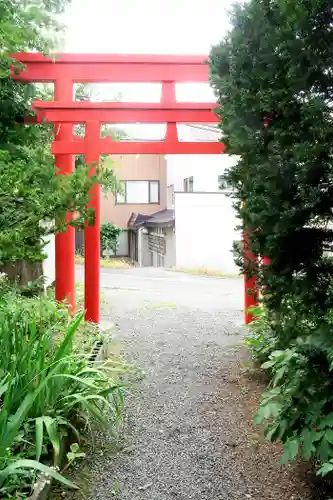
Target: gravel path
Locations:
point(184, 426)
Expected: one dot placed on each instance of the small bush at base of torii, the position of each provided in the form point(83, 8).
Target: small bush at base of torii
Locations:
point(109, 239)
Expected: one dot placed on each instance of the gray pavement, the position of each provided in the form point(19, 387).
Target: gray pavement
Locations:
point(180, 329)
point(128, 288)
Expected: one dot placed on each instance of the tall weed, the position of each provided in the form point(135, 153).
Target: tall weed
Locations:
point(47, 387)
point(261, 340)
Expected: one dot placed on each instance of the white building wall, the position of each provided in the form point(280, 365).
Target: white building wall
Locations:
point(170, 248)
point(205, 231)
point(49, 262)
point(205, 170)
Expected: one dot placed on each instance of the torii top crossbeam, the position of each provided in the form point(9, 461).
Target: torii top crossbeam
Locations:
point(66, 69)
point(89, 68)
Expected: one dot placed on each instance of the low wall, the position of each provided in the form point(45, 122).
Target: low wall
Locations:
point(205, 231)
point(49, 262)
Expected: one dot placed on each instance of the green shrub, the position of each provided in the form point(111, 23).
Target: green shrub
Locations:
point(109, 238)
point(273, 80)
point(297, 406)
point(47, 388)
point(45, 312)
point(261, 340)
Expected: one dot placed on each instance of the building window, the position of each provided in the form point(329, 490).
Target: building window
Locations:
point(188, 185)
point(137, 192)
point(154, 195)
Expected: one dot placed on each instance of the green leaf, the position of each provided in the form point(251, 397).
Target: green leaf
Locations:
point(329, 435)
point(39, 436)
point(327, 421)
point(290, 448)
point(325, 469)
point(74, 447)
point(267, 410)
point(268, 364)
point(308, 446)
point(324, 450)
point(16, 420)
point(260, 416)
point(271, 432)
point(278, 375)
point(316, 436)
point(51, 427)
point(68, 338)
point(15, 468)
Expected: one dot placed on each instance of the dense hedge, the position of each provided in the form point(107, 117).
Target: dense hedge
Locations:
point(274, 81)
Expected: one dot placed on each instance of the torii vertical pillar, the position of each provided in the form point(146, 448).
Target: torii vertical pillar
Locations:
point(64, 241)
point(92, 232)
point(250, 283)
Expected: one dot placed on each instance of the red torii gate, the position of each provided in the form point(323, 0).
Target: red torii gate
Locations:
point(65, 70)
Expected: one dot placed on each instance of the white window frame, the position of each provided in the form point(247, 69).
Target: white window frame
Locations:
point(121, 198)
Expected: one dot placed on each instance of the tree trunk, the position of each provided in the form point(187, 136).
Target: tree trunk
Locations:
point(23, 272)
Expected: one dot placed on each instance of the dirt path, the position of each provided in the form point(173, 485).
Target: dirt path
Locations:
point(189, 431)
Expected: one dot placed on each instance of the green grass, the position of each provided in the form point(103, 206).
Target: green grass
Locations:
point(48, 387)
point(160, 305)
point(204, 271)
point(113, 263)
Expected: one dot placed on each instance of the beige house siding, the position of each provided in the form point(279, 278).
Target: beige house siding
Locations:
point(132, 168)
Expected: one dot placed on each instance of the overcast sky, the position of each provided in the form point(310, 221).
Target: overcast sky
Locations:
point(145, 26)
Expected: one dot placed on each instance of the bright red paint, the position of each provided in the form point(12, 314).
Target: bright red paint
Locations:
point(65, 241)
point(91, 233)
point(66, 69)
point(251, 292)
point(251, 297)
point(125, 112)
point(114, 68)
point(107, 146)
